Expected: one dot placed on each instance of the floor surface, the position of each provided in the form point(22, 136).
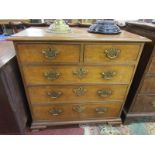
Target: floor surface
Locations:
point(132, 129)
point(99, 129)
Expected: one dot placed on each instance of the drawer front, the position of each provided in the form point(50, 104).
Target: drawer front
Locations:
point(70, 112)
point(144, 103)
point(53, 94)
point(35, 75)
point(111, 53)
point(148, 85)
point(152, 66)
point(48, 53)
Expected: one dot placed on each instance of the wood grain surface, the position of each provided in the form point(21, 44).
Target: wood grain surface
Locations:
point(82, 67)
point(33, 53)
point(68, 114)
point(40, 94)
point(35, 75)
point(96, 53)
point(77, 34)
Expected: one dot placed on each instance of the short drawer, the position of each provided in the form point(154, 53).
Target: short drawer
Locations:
point(35, 75)
point(48, 53)
point(56, 94)
point(144, 103)
point(102, 53)
point(71, 112)
point(148, 85)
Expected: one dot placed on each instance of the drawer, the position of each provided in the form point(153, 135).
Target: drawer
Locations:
point(71, 112)
point(48, 53)
point(144, 103)
point(152, 66)
point(35, 75)
point(148, 85)
point(53, 94)
point(120, 53)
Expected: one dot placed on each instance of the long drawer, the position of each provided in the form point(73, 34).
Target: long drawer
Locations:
point(57, 94)
point(70, 112)
point(101, 53)
point(144, 103)
point(49, 53)
point(35, 75)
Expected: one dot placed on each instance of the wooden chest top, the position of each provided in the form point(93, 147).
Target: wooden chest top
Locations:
point(77, 34)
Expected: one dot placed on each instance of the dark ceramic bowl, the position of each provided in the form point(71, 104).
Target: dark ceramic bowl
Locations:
point(104, 27)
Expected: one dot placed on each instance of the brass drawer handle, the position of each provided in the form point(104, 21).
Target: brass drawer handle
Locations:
point(108, 75)
point(55, 111)
point(153, 104)
point(50, 52)
point(101, 110)
point(78, 108)
point(54, 94)
point(112, 53)
point(80, 72)
point(52, 75)
point(104, 93)
point(80, 91)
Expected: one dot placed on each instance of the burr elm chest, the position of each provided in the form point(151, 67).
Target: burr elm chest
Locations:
point(77, 77)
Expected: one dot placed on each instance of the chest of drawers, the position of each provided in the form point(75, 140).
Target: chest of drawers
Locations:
point(140, 103)
point(77, 77)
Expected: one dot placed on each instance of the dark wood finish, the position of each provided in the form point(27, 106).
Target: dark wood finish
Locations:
point(13, 110)
point(148, 85)
point(144, 103)
point(40, 76)
point(152, 65)
point(138, 104)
